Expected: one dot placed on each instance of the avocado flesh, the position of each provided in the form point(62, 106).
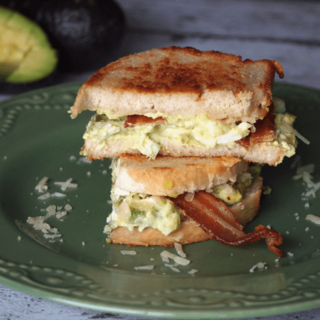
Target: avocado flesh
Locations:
point(5, 15)
point(25, 52)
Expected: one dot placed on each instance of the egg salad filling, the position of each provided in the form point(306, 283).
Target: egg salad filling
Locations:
point(233, 192)
point(285, 133)
point(200, 131)
point(142, 210)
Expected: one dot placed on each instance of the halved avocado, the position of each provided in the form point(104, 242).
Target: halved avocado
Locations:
point(26, 55)
point(86, 33)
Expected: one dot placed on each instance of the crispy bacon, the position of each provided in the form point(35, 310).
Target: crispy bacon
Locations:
point(273, 239)
point(216, 219)
point(244, 142)
point(139, 120)
point(264, 131)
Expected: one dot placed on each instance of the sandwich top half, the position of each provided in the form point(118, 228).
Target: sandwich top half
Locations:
point(183, 102)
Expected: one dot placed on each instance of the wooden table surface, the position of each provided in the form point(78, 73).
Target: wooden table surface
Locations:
point(287, 31)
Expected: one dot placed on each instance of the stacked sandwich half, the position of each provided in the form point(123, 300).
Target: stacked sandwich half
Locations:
point(184, 128)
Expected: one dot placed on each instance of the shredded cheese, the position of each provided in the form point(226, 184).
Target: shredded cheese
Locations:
point(259, 265)
point(174, 269)
point(296, 133)
point(313, 218)
point(307, 168)
point(44, 196)
point(84, 160)
point(166, 255)
point(58, 195)
point(193, 271)
point(61, 214)
point(128, 252)
point(179, 250)
point(52, 236)
point(42, 185)
point(151, 267)
point(68, 207)
point(42, 226)
point(66, 184)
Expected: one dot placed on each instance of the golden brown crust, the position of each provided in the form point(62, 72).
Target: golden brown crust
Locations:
point(204, 78)
point(264, 129)
point(169, 175)
point(160, 161)
point(279, 68)
point(188, 233)
point(169, 77)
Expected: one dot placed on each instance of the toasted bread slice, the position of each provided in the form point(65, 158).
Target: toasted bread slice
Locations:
point(264, 152)
point(189, 231)
point(168, 175)
point(249, 206)
point(181, 81)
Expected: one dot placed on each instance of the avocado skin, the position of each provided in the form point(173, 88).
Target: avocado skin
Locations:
point(86, 33)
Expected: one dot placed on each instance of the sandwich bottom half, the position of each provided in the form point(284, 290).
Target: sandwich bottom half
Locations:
point(184, 229)
point(168, 200)
point(186, 200)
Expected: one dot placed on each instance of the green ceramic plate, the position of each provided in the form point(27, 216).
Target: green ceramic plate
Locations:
point(38, 139)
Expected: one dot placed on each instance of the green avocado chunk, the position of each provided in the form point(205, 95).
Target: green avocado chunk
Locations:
point(25, 52)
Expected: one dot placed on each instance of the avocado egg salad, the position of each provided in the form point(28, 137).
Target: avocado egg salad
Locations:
point(158, 212)
point(199, 131)
point(285, 133)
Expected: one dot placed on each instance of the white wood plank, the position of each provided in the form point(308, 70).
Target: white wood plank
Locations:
point(227, 19)
point(17, 305)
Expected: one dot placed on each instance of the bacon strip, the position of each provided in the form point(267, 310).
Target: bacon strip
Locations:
point(272, 237)
point(264, 131)
point(139, 120)
point(216, 219)
point(244, 142)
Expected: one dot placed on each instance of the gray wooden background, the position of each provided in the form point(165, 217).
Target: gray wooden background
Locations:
point(287, 31)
